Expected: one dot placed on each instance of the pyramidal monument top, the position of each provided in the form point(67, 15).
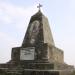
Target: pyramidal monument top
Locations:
point(38, 30)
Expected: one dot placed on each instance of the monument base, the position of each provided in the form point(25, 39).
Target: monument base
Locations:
point(40, 72)
point(35, 72)
point(47, 72)
point(37, 69)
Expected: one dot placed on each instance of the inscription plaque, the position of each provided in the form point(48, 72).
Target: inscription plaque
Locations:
point(27, 53)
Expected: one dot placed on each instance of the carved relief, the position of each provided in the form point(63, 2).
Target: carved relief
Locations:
point(34, 29)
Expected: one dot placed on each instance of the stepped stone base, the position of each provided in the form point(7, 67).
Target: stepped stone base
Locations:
point(37, 68)
point(36, 72)
point(47, 72)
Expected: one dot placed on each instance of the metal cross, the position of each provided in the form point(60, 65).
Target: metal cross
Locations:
point(39, 6)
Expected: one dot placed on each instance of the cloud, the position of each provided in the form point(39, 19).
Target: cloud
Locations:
point(12, 14)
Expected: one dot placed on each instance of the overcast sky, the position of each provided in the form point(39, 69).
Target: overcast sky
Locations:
point(15, 16)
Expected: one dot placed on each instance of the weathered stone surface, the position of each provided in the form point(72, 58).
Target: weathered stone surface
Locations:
point(44, 33)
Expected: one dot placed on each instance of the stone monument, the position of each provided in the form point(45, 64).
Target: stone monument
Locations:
point(38, 54)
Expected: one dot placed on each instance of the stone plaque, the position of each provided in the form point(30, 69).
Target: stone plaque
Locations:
point(27, 53)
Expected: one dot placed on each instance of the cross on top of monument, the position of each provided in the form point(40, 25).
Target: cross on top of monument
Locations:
point(39, 6)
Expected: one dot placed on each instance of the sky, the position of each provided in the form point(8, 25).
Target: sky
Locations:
point(15, 16)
